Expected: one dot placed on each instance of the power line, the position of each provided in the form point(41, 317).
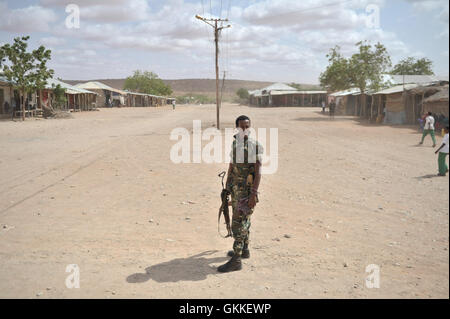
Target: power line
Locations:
point(217, 29)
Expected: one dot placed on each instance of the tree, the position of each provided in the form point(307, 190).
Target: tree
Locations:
point(60, 98)
point(336, 77)
point(146, 82)
point(367, 67)
point(243, 94)
point(26, 71)
point(412, 66)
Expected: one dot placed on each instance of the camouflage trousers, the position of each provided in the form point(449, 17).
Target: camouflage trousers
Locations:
point(240, 226)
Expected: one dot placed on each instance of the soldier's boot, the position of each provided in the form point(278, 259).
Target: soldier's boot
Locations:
point(232, 265)
point(245, 253)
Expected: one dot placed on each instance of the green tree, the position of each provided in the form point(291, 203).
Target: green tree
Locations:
point(367, 67)
point(60, 98)
point(147, 82)
point(336, 76)
point(243, 94)
point(27, 71)
point(412, 66)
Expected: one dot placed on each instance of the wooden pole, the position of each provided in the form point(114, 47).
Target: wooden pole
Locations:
point(216, 41)
point(217, 30)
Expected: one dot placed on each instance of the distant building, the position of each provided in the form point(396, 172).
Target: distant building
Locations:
point(105, 93)
point(76, 98)
point(280, 94)
point(400, 103)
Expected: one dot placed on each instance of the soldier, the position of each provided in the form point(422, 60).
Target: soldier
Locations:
point(244, 176)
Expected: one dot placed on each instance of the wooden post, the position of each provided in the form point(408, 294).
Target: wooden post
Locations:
point(217, 30)
point(423, 106)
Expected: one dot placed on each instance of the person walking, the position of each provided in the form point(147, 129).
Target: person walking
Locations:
point(429, 129)
point(443, 152)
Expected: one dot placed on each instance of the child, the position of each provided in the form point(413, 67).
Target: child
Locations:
point(443, 152)
point(429, 128)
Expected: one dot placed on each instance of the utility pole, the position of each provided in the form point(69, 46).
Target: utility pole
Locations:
point(217, 29)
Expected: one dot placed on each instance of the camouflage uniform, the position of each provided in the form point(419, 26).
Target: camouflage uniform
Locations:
point(243, 156)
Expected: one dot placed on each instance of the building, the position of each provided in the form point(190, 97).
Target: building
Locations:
point(107, 96)
point(144, 99)
point(346, 101)
point(280, 94)
point(438, 102)
point(6, 97)
point(399, 103)
point(77, 99)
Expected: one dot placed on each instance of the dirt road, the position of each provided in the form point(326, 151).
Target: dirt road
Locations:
point(100, 191)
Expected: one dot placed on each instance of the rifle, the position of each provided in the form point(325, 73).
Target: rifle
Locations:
point(224, 209)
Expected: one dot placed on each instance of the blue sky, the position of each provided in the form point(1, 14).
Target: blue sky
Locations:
point(276, 40)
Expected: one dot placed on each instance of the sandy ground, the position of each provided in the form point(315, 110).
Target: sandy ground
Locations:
point(100, 191)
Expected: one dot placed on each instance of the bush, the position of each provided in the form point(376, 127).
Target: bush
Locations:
point(195, 99)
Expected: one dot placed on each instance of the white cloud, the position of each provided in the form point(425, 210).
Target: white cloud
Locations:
point(52, 41)
point(275, 37)
point(28, 19)
point(111, 11)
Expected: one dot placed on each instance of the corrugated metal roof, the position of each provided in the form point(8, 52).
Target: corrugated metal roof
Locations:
point(144, 94)
point(442, 95)
point(296, 92)
point(255, 92)
point(94, 85)
point(70, 89)
point(279, 87)
point(416, 79)
point(51, 83)
point(4, 79)
point(352, 91)
point(397, 89)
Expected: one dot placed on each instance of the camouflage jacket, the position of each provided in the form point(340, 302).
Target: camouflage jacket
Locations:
point(244, 155)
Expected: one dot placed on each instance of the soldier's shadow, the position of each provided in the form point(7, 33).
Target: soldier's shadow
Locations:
point(193, 268)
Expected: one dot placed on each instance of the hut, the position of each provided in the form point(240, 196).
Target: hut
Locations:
point(6, 97)
point(77, 99)
point(140, 99)
point(438, 102)
point(346, 101)
point(280, 94)
point(107, 96)
point(392, 103)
